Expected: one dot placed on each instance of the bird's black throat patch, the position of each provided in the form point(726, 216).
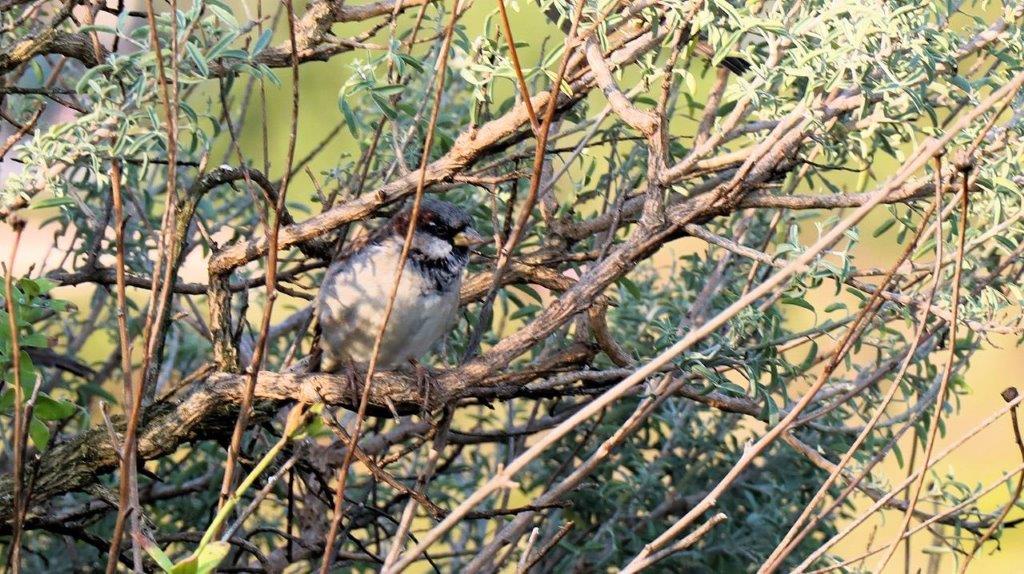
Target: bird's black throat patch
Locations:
point(441, 272)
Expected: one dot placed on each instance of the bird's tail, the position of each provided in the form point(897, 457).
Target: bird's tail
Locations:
point(734, 64)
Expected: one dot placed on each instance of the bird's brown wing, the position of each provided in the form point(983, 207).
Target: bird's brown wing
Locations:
point(357, 243)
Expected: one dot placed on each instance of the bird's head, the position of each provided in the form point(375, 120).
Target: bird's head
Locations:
point(442, 230)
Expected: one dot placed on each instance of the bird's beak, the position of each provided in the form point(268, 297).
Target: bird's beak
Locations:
point(468, 238)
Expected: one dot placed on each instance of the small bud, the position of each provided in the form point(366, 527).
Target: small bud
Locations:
point(295, 418)
point(1009, 394)
point(963, 161)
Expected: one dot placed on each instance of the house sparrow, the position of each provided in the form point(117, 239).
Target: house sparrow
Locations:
point(355, 289)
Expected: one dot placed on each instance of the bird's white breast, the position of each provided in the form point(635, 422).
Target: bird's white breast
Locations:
point(352, 304)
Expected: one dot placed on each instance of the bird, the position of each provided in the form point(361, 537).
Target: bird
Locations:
point(734, 64)
point(355, 290)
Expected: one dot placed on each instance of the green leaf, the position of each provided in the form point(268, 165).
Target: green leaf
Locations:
point(812, 354)
point(769, 410)
point(389, 90)
point(45, 285)
point(385, 107)
point(34, 340)
point(89, 75)
point(223, 13)
point(39, 433)
point(1006, 243)
point(262, 42)
point(155, 553)
point(350, 117)
point(189, 565)
point(710, 375)
point(884, 227)
point(28, 287)
point(725, 108)
point(26, 369)
point(211, 556)
point(218, 49)
point(267, 73)
point(98, 28)
point(631, 287)
point(49, 409)
point(529, 291)
point(689, 80)
point(235, 54)
point(524, 311)
point(799, 302)
point(722, 51)
point(53, 202)
point(197, 59)
point(412, 62)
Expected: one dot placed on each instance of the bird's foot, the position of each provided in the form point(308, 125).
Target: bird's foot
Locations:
point(352, 376)
point(422, 382)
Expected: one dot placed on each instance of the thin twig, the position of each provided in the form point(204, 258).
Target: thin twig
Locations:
point(400, 267)
point(964, 166)
point(256, 362)
point(792, 538)
point(1009, 394)
point(398, 540)
point(128, 489)
point(854, 523)
point(524, 90)
point(925, 524)
point(20, 424)
point(689, 540)
point(544, 550)
point(131, 389)
point(526, 211)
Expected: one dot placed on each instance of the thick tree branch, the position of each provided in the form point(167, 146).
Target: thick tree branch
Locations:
point(70, 44)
